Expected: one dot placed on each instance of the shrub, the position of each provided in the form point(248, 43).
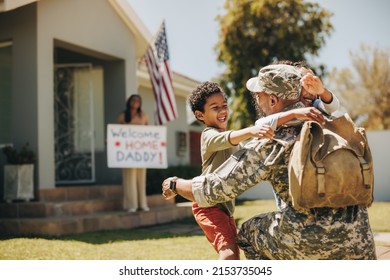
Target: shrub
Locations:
point(24, 156)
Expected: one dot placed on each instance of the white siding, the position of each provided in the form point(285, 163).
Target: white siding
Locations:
point(379, 144)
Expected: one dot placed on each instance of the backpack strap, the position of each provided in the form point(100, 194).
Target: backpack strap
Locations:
point(321, 175)
point(320, 178)
point(366, 172)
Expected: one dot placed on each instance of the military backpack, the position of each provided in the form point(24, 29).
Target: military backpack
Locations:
point(331, 166)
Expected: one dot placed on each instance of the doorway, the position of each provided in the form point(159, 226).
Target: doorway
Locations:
point(74, 125)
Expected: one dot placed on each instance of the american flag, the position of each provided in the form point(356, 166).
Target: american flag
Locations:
point(157, 61)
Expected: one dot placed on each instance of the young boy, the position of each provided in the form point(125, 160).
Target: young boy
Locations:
point(209, 104)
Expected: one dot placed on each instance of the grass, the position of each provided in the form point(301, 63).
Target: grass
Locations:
point(145, 243)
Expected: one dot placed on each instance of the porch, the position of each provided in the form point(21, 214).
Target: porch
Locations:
point(72, 210)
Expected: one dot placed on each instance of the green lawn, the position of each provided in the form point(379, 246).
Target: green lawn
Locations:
point(146, 244)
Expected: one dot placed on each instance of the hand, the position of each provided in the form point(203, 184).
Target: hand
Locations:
point(263, 131)
point(312, 84)
point(166, 191)
point(309, 114)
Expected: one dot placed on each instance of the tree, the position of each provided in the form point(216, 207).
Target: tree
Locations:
point(255, 33)
point(364, 89)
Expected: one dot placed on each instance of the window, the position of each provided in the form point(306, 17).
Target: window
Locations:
point(5, 92)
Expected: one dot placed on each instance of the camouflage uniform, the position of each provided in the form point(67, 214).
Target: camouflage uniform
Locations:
point(320, 233)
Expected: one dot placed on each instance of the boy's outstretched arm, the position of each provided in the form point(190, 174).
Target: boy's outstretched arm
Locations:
point(304, 114)
point(257, 131)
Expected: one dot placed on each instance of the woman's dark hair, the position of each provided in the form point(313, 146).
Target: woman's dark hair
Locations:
point(128, 107)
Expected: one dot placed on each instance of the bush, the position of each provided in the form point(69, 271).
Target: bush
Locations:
point(155, 177)
point(24, 156)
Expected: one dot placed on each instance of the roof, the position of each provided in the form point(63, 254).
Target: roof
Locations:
point(7, 5)
point(141, 33)
point(142, 36)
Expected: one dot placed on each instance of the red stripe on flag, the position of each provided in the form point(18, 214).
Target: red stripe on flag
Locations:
point(157, 61)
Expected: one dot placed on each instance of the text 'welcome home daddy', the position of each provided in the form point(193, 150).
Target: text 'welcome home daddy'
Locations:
point(136, 146)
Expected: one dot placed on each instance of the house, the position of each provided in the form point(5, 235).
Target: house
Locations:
point(93, 47)
point(66, 70)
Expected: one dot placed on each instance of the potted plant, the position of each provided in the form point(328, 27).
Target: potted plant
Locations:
point(19, 173)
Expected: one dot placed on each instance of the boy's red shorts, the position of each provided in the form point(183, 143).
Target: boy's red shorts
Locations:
point(220, 229)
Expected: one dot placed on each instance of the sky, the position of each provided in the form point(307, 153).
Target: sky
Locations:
point(192, 31)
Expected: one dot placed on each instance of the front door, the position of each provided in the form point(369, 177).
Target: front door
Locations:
point(74, 127)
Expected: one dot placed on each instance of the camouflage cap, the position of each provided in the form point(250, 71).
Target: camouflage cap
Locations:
point(279, 79)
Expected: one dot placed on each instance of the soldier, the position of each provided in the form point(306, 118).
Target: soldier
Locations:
point(320, 233)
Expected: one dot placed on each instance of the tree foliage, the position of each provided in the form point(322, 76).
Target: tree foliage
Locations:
point(364, 89)
point(255, 33)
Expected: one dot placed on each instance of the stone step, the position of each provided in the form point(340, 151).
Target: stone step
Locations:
point(71, 193)
point(58, 209)
point(57, 226)
point(36, 209)
point(70, 210)
point(71, 201)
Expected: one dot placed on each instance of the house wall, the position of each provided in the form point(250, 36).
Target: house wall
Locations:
point(178, 125)
point(196, 127)
point(195, 155)
point(379, 145)
point(96, 29)
point(24, 74)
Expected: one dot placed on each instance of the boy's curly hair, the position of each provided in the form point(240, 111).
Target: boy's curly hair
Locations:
point(199, 95)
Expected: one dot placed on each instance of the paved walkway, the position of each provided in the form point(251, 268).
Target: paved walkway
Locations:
point(382, 239)
point(383, 247)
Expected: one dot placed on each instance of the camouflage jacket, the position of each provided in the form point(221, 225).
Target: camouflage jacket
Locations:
point(321, 233)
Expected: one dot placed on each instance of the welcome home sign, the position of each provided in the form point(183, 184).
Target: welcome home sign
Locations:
point(136, 146)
